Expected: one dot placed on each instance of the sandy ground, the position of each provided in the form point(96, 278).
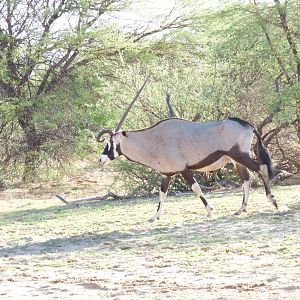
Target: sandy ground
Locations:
point(108, 250)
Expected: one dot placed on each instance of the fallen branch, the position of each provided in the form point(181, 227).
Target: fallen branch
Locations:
point(111, 195)
point(105, 197)
point(61, 197)
point(228, 183)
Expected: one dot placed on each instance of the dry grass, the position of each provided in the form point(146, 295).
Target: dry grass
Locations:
point(108, 250)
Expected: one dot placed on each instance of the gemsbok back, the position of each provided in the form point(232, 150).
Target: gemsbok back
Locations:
point(177, 146)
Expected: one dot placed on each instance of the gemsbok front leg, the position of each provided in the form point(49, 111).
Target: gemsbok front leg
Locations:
point(187, 175)
point(162, 197)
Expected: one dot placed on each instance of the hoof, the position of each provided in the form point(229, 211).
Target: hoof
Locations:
point(152, 220)
point(237, 213)
point(273, 201)
point(275, 204)
point(208, 209)
point(208, 215)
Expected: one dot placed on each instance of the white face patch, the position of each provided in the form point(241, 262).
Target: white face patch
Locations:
point(116, 154)
point(104, 159)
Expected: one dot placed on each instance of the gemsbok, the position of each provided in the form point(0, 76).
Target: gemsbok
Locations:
point(177, 146)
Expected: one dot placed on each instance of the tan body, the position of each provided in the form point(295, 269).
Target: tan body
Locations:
point(173, 145)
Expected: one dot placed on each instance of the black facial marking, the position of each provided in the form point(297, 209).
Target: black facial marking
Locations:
point(118, 149)
point(110, 151)
point(105, 151)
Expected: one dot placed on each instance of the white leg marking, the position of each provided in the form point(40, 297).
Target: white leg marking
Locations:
point(246, 188)
point(162, 198)
point(197, 190)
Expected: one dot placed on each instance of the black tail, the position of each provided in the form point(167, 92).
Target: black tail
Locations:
point(264, 156)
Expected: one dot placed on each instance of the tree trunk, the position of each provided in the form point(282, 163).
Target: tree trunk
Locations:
point(31, 165)
point(33, 143)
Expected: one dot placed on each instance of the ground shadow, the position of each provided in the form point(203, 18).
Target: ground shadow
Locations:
point(203, 233)
point(53, 212)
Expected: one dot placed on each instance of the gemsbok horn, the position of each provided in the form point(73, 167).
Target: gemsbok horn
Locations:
point(109, 131)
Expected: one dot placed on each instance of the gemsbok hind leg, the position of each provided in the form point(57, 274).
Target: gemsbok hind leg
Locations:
point(196, 189)
point(261, 169)
point(162, 197)
point(245, 175)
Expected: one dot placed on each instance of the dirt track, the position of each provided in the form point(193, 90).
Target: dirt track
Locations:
point(108, 250)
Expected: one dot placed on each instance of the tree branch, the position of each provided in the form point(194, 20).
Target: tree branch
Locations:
point(277, 57)
point(170, 109)
point(283, 20)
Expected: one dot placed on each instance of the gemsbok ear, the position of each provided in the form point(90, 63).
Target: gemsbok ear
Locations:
point(124, 133)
